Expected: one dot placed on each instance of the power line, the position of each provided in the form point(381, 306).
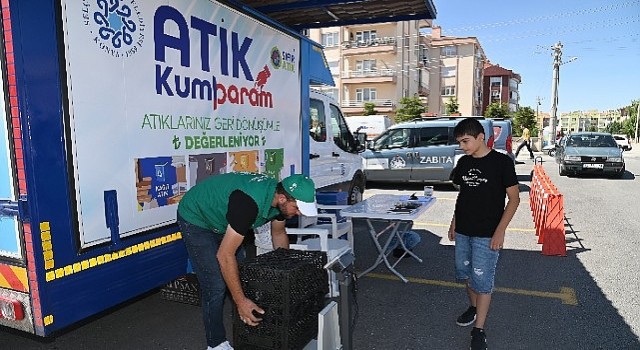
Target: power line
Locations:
point(549, 17)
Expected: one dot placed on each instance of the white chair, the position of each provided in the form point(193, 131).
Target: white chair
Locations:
point(336, 229)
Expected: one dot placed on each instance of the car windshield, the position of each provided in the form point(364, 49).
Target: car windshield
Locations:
point(591, 141)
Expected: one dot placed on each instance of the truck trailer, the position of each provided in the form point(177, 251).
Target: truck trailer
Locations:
point(113, 110)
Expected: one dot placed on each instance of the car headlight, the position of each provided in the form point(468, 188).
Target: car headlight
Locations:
point(614, 159)
point(572, 158)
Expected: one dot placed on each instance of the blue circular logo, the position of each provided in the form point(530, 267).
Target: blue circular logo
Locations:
point(117, 26)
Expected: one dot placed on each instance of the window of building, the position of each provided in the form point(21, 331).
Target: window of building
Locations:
point(448, 71)
point(495, 82)
point(448, 51)
point(365, 94)
point(448, 90)
point(365, 65)
point(330, 39)
point(366, 35)
point(334, 66)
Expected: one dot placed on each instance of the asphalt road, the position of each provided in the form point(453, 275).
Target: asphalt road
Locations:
point(586, 300)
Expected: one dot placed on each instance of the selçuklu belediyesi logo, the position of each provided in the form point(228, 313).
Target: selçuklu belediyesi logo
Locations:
point(116, 26)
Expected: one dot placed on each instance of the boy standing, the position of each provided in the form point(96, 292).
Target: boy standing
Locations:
point(480, 219)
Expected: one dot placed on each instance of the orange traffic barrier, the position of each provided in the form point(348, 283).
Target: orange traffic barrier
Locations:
point(547, 209)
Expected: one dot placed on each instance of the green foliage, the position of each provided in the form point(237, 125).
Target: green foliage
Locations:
point(629, 127)
point(452, 106)
point(525, 116)
point(615, 128)
point(411, 109)
point(497, 110)
point(370, 108)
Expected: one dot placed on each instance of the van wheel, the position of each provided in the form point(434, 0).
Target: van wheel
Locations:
point(355, 191)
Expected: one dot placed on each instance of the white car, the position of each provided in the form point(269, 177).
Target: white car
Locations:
point(623, 142)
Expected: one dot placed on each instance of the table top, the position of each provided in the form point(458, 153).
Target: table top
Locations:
point(380, 206)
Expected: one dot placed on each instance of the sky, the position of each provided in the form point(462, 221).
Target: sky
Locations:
point(518, 35)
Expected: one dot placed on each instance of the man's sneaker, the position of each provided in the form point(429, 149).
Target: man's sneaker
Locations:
point(478, 339)
point(467, 318)
point(223, 346)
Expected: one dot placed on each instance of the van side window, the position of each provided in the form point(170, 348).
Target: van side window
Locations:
point(433, 136)
point(318, 123)
point(395, 138)
point(341, 135)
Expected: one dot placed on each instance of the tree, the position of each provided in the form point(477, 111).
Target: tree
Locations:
point(615, 127)
point(525, 117)
point(370, 108)
point(411, 109)
point(497, 110)
point(452, 106)
point(629, 125)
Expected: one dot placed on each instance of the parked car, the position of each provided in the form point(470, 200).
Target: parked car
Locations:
point(503, 136)
point(424, 150)
point(589, 152)
point(623, 142)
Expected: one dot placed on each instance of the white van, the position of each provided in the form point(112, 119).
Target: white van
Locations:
point(335, 162)
point(372, 125)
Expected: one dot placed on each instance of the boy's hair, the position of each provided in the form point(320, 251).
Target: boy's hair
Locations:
point(468, 126)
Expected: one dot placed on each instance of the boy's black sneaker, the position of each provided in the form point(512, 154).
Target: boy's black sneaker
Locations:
point(467, 318)
point(478, 339)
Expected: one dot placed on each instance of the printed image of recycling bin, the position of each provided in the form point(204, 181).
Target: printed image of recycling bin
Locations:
point(201, 166)
point(273, 162)
point(157, 178)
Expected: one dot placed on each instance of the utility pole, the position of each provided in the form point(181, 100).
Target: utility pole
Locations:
point(637, 119)
point(538, 121)
point(557, 60)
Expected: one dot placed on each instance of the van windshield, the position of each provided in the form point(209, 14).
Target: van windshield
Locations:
point(395, 138)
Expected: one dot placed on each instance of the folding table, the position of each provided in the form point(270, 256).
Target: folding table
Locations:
point(398, 211)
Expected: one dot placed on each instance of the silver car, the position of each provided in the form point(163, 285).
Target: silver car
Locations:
point(589, 152)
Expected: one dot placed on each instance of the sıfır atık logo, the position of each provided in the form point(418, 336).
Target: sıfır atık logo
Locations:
point(117, 26)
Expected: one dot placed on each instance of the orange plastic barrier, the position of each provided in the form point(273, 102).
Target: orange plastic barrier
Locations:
point(547, 209)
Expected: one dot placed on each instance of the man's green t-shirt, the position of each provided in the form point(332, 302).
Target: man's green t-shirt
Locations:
point(205, 205)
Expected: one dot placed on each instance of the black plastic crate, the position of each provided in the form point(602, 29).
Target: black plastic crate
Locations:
point(185, 289)
point(290, 285)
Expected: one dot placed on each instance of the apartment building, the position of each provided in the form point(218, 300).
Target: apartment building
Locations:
point(376, 63)
point(593, 120)
point(500, 86)
point(455, 70)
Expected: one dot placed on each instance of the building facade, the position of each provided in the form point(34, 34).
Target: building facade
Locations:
point(456, 70)
point(376, 63)
point(501, 86)
point(588, 120)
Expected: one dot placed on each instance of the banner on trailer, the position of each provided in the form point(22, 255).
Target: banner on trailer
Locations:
point(165, 93)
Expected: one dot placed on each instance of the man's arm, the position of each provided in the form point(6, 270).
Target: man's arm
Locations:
point(513, 200)
point(229, 268)
point(279, 235)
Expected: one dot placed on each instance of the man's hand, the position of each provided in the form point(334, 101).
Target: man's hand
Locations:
point(246, 309)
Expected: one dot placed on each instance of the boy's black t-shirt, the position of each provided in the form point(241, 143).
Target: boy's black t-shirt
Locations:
point(483, 188)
